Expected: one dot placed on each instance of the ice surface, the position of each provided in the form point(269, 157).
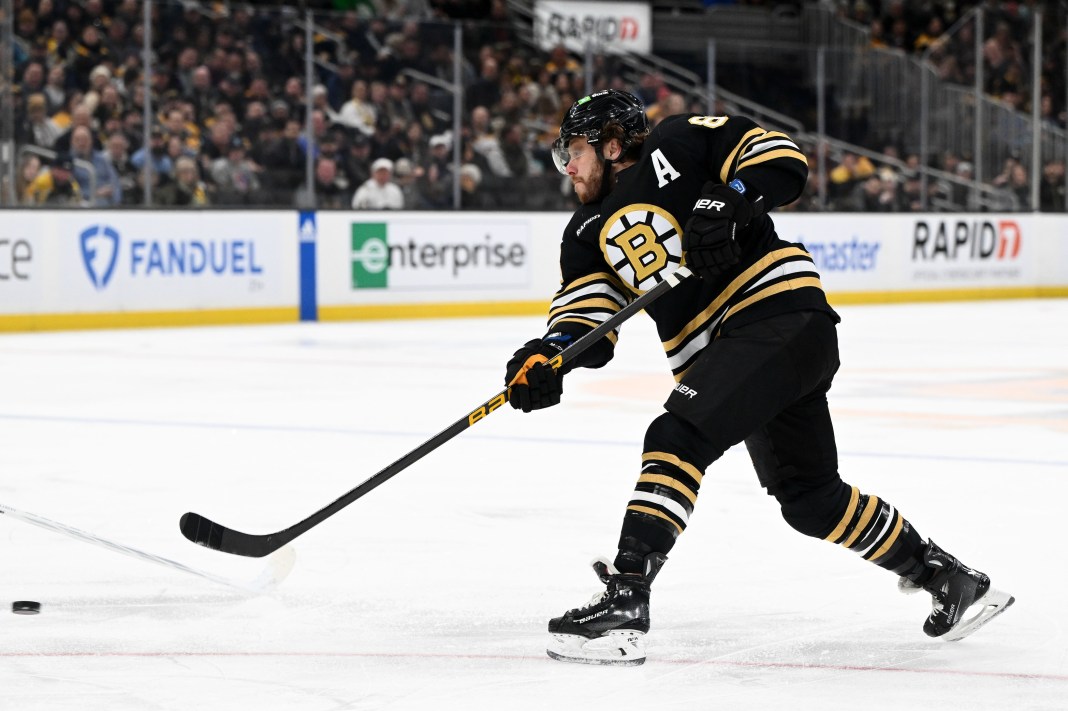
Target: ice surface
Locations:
point(434, 590)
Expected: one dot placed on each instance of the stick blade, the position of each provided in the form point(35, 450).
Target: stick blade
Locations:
point(205, 532)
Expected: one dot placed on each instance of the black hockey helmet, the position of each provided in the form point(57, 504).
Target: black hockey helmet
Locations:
point(589, 116)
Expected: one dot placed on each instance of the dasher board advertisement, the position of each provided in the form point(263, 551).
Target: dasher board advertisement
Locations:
point(109, 261)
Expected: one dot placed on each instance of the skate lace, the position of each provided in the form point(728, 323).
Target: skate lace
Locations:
point(595, 600)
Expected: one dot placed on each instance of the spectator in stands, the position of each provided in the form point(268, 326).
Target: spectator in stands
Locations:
point(1020, 185)
point(162, 166)
point(29, 168)
point(929, 35)
point(55, 89)
point(434, 178)
point(845, 176)
point(55, 185)
point(1051, 192)
point(89, 51)
point(121, 175)
point(471, 197)
point(669, 104)
point(283, 163)
point(58, 44)
point(405, 176)
point(380, 192)
point(33, 79)
point(187, 189)
point(516, 153)
point(330, 190)
point(397, 106)
point(358, 112)
point(320, 102)
point(80, 116)
point(41, 130)
point(1004, 62)
point(99, 78)
point(485, 142)
point(234, 176)
point(431, 119)
point(877, 194)
point(85, 169)
point(414, 143)
point(560, 63)
point(356, 161)
point(384, 141)
point(486, 90)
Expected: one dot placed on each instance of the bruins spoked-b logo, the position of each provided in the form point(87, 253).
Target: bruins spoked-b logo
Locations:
point(643, 243)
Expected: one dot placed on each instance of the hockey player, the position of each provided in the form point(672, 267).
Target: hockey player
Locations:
point(752, 345)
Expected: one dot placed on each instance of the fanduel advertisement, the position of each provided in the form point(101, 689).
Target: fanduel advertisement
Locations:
point(103, 249)
point(405, 254)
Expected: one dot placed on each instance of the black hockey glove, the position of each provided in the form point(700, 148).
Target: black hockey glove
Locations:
point(534, 383)
point(710, 239)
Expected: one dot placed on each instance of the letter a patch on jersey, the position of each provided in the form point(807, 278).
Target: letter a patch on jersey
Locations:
point(665, 172)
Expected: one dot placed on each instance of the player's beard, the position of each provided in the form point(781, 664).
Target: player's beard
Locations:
point(596, 187)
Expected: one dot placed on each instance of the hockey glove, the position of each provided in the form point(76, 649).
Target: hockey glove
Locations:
point(534, 383)
point(710, 239)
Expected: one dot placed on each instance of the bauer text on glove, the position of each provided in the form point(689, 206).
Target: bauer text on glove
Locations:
point(710, 240)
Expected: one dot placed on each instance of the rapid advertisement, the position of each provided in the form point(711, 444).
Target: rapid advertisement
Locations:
point(126, 262)
point(913, 254)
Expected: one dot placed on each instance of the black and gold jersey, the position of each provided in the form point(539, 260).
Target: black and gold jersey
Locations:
point(632, 240)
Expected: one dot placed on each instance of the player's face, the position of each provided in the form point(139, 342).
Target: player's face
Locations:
point(585, 169)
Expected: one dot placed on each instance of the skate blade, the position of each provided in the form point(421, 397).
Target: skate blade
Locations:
point(989, 606)
point(623, 648)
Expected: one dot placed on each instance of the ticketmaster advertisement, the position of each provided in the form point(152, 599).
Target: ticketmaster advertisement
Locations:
point(70, 262)
point(377, 258)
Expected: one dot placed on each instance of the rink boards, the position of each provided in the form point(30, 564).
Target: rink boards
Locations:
point(103, 269)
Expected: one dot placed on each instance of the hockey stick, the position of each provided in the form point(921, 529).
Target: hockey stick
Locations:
point(205, 532)
point(276, 571)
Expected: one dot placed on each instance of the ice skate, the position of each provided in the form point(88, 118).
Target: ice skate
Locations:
point(610, 627)
point(962, 599)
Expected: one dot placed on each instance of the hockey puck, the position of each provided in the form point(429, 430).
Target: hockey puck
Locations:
point(25, 607)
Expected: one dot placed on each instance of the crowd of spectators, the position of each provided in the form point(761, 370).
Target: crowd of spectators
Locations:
point(924, 28)
point(939, 32)
point(229, 108)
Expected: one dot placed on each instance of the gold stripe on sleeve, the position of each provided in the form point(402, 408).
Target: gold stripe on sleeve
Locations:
point(725, 169)
point(781, 153)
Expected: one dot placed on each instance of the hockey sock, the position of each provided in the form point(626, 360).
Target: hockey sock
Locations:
point(663, 499)
point(877, 532)
point(865, 524)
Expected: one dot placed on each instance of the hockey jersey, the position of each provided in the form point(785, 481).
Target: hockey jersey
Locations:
point(623, 246)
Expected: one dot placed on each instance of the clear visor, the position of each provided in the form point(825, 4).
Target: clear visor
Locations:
point(561, 154)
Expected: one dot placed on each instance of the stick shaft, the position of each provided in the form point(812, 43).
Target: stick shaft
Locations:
point(205, 532)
